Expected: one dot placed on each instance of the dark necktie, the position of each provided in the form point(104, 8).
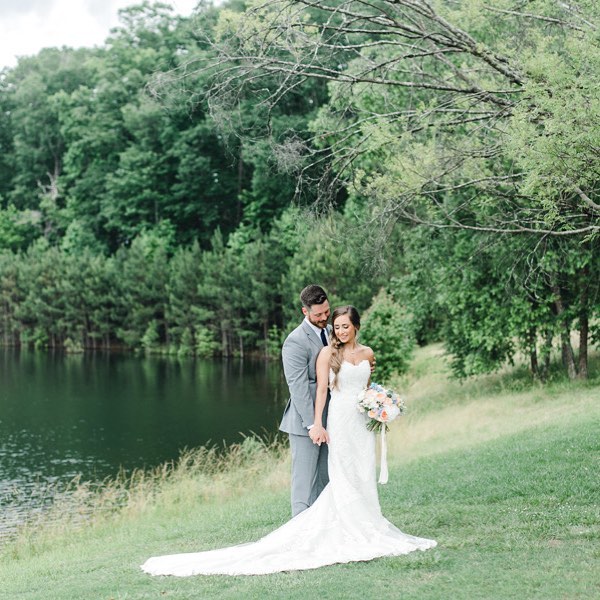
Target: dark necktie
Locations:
point(323, 337)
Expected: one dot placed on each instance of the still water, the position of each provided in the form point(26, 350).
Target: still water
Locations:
point(89, 415)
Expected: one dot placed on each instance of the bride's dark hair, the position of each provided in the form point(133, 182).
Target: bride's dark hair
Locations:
point(337, 347)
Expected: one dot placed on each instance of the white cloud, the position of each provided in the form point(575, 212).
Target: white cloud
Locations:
point(30, 25)
point(10, 7)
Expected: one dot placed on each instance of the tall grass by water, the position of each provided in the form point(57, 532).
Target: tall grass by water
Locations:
point(502, 472)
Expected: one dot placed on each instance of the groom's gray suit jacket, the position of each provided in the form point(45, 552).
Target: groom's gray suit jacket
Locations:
point(299, 354)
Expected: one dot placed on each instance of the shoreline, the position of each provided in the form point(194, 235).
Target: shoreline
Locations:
point(432, 427)
point(88, 500)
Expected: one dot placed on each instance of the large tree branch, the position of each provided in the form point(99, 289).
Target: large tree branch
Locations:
point(463, 89)
point(525, 15)
point(586, 198)
point(454, 224)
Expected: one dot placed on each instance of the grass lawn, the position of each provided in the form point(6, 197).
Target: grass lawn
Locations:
point(501, 472)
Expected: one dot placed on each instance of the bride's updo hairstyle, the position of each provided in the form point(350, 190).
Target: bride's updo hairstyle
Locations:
point(337, 347)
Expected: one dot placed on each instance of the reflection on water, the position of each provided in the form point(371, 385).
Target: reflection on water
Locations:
point(88, 415)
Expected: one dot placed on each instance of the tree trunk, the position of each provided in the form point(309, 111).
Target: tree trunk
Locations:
point(547, 351)
point(568, 356)
point(583, 345)
point(266, 337)
point(533, 357)
point(224, 340)
point(584, 322)
point(533, 360)
point(240, 185)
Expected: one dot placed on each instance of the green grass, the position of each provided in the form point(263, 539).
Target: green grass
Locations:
point(501, 472)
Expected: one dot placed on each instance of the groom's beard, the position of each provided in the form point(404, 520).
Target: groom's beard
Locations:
point(321, 324)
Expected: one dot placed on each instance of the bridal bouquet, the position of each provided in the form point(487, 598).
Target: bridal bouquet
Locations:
point(381, 405)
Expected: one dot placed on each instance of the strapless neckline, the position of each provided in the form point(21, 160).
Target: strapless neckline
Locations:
point(357, 364)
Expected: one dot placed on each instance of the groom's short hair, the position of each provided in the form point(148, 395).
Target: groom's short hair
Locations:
point(312, 294)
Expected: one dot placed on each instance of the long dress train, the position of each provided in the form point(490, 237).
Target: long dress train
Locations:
point(344, 524)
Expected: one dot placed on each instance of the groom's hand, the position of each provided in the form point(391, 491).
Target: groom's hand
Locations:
point(318, 435)
point(324, 436)
point(314, 433)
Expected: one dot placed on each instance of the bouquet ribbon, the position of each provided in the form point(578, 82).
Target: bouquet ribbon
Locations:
point(383, 469)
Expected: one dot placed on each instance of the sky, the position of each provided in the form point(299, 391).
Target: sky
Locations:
point(27, 26)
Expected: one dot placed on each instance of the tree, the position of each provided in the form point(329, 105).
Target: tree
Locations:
point(406, 72)
point(38, 145)
point(42, 285)
point(328, 253)
point(387, 329)
point(143, 277)
point(11, 296)
point(448, 116)
point(184, 312)
point(493, 298)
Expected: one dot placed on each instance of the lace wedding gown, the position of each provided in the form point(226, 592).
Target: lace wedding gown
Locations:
point(344, 524)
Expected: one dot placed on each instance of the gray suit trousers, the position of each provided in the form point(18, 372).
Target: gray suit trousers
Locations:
point(309, 471)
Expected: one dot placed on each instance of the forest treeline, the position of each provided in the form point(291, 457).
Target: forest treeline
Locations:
point(434, 164)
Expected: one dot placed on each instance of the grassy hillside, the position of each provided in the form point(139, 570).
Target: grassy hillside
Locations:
point(502, 472)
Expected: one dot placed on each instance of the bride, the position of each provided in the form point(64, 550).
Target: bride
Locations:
point(345, 523)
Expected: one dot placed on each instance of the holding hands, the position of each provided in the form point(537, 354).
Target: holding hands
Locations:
point(318, 435)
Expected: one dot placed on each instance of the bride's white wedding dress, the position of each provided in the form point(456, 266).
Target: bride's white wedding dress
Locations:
point(344, 524)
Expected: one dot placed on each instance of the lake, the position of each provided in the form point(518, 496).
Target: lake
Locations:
point(67, 415)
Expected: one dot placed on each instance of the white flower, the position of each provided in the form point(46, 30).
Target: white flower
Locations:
point(393, 412)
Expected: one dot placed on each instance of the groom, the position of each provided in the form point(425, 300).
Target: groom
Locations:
point(299, 353)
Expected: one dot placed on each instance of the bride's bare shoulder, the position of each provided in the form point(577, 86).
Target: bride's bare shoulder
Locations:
point(368, 353)
point(325, 354)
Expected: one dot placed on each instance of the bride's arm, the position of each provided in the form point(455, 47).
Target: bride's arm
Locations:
point(318, 433)
point(371, 359)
